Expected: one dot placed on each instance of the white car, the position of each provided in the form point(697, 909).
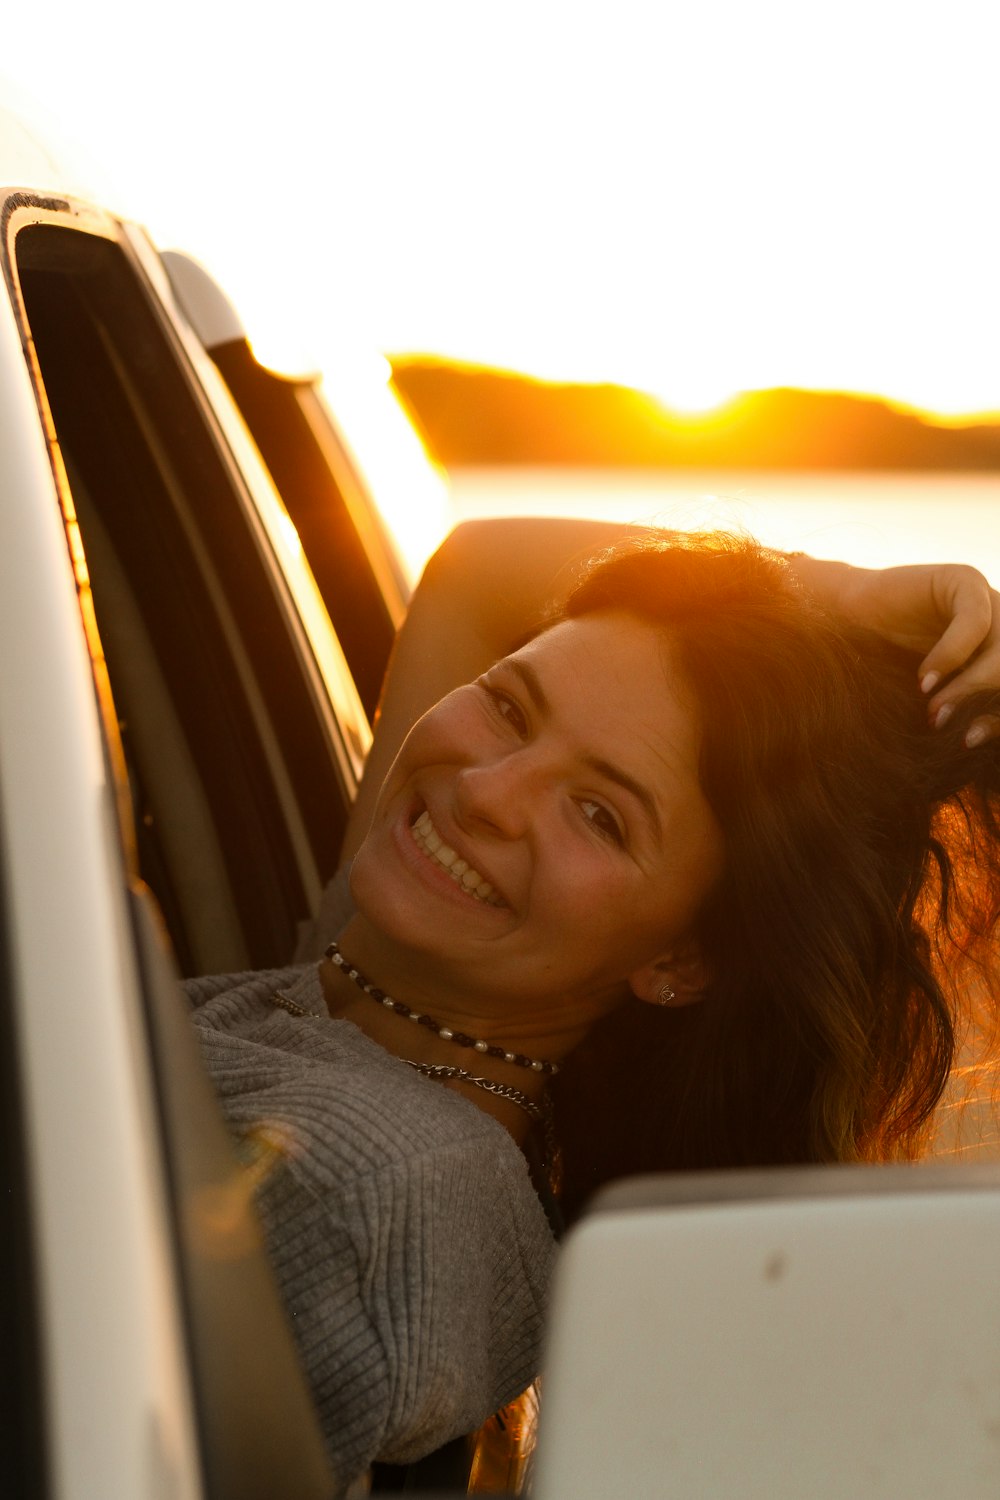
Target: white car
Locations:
point(197, 599)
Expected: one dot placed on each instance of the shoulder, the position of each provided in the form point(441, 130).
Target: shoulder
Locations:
point(352, 1108)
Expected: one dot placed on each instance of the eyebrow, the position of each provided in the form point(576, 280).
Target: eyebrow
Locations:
point(605, 768)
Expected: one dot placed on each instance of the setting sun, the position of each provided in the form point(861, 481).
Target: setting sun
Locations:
point(694, 400)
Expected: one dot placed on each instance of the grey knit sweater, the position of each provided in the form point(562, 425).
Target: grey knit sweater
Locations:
point(411, 1249)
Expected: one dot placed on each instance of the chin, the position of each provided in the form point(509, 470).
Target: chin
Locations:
point(385, 903)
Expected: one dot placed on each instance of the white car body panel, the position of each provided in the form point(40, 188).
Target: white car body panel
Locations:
point(834, 1335)
point(104, 1281)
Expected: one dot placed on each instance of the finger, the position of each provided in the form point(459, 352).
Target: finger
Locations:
point(981, 675)
point(981, 730)
point(972, 614)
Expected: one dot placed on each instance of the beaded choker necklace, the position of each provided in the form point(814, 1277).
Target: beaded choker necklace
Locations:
point(459, 1038)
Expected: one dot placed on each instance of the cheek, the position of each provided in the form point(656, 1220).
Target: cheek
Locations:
point(640, 912)
point(447, 732)
point(442, 737)
point(583, 889)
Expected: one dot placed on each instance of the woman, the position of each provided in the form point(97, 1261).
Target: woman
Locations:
point(672, 884)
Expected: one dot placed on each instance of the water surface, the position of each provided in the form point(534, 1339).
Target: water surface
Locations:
point(870, 518)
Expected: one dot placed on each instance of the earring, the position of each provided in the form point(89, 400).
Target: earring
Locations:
point(666, 995)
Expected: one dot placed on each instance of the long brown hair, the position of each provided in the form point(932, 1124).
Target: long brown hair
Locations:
point(858, 905)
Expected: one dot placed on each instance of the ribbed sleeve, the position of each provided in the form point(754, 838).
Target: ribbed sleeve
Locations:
point(411, 1249)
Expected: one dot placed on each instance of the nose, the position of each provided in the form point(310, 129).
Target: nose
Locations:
point(497, 795)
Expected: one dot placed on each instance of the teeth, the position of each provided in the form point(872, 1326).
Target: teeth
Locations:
point(460, 871)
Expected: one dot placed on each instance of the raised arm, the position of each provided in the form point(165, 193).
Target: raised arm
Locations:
point(490, 583)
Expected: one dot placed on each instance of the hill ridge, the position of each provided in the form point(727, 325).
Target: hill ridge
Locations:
point(475, 415)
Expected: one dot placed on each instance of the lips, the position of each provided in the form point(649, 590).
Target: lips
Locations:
point(430, 842)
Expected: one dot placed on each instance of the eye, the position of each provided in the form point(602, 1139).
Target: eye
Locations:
point(602, 821)
point(506, 708)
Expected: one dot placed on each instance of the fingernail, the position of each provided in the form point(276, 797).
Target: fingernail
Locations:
point(930, 682)
point(943, 714)
point(975, 736)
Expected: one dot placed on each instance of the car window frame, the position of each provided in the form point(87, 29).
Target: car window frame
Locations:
point(326, 674)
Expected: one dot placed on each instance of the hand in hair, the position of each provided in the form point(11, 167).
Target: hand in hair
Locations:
point(947, 612)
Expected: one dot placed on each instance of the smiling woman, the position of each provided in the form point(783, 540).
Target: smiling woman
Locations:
point(686, 879)
point(566, 781)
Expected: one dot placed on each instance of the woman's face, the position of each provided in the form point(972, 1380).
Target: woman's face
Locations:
point(542, 832)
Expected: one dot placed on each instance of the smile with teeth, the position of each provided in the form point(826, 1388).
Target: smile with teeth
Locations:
point(427, 838)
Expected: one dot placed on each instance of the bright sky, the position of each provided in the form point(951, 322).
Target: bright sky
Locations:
point(693, 199)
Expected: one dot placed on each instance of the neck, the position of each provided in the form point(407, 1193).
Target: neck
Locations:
point(532, 1029)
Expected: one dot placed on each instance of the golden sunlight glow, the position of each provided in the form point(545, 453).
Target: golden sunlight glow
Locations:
point(702, 415)
point(696, 401)
point(696, 394)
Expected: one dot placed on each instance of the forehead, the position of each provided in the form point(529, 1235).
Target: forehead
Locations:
point(616, 680)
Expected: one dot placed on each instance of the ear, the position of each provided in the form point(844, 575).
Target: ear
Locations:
point(674, 979)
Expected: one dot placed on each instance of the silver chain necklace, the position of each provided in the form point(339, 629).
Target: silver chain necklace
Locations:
point(489, 1085)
